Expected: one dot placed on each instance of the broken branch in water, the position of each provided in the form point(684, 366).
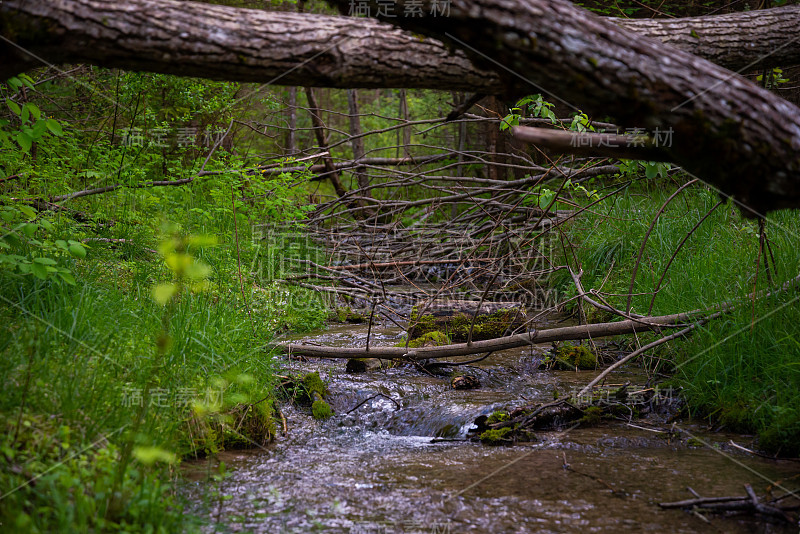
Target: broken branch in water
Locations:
point(630, 326)
point(749, 503)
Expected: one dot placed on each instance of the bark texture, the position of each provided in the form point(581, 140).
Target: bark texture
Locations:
point(220, 42)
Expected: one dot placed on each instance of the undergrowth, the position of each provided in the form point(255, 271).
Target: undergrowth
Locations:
point(741, 370)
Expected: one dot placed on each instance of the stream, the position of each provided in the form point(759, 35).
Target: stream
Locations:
point(399, 462)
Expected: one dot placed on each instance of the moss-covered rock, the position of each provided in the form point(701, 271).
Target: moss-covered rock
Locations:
point(419, 325)
point(455, 322)
point(569, 357)
point(497, 417)
point(321, 410)
point(434, 338)
point(344, 314)
point(497, 436)
point(313, 384)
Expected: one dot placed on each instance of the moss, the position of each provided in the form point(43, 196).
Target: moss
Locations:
point(497, 417)
point(314, 384)
point(242, 426)
point(591, 415)
point(569, 357)
point(420, 325)
point(457, 327)
point(344, 314)
point(486, 326)
point(496, 436)
point(434, 338)
point(321, 409)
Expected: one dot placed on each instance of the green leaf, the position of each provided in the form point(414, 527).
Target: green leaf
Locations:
point(28, 211)
point(55, 127)
point(198, 270)
point(34, 110)
point(67, 277)
point(77, 250)
point(7, 214)
point(14, 107)
point(650, 171)
point(45, 261)
point(39, 128)
point(163, 293)
point(61, 244)
point(25, 141)
point(151, 455)
point(39, 271)
point(26, 80)
point(47, 225)
point(29, 229)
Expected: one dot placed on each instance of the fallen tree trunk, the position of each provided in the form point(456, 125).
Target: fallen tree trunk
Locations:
point(723, 129)
point(644, 324)
point(220, 42)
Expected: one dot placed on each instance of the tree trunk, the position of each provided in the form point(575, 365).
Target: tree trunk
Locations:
point(403, 134)
point(291, 139)
point(566, 333)
point(322, 140)
point(220, 42)
point(716, 125)
point(357, 141)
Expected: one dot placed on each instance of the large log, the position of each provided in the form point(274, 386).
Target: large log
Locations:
point(724, 129)
point(220, 42)
point(566, 333)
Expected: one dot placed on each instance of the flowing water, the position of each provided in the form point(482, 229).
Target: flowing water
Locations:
point(400, 462)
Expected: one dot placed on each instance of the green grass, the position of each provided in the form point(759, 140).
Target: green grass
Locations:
point(742, 370)
point(78, 361)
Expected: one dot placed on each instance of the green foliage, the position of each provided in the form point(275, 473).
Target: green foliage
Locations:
point(73, 482)
point(497, 417)
point(30, 248)
point(497, 436)
point(28, 125)
point(652, 169)
point(142, 358)
point(773, 78)
point(535, 105)
point(581, 123)
point(740, 370)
